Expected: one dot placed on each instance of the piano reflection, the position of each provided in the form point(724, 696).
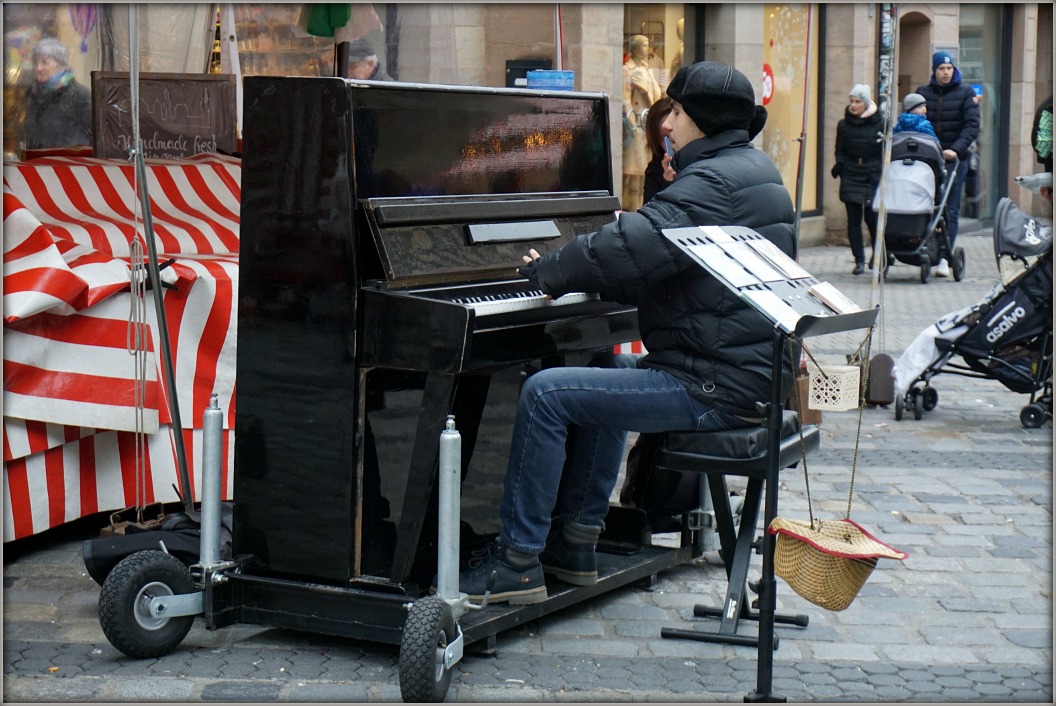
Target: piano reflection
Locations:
point(382, 225)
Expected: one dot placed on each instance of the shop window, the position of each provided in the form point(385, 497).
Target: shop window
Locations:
point(785, 73)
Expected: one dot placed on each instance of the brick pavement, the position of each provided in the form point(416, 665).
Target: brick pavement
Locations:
point(967, 491)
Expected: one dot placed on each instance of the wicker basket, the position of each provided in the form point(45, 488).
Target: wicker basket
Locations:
point(829, 563)
point(834, 387)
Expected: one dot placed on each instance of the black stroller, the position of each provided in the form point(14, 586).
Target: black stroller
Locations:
point(917, 190)
point(1006, 337)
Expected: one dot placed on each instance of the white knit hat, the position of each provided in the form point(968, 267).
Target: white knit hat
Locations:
point(862, 93)
point(49, 46)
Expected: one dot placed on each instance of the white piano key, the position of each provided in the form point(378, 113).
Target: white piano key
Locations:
point(530, 301)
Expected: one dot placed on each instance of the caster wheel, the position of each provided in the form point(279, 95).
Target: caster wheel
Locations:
point(1032, 416)
point(124, 604)
point(925, 271)
point(426, 633)
point(930, 398)
point(917, 405)
point(958, 264)
point(900, 408)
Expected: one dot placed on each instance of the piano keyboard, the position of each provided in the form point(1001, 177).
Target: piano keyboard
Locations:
point(503, 302)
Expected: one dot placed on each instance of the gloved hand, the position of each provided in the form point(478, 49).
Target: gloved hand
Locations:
point(836, 169)
point(530, 272)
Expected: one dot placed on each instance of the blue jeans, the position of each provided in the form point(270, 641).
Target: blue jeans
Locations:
point(953, 204)
point(604, 404)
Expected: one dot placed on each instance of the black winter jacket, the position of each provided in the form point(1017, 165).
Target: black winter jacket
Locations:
point(953, 113)
point(859, 155)
point(60, 118)
point(692, 325)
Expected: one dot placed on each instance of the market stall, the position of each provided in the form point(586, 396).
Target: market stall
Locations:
point(72, 424)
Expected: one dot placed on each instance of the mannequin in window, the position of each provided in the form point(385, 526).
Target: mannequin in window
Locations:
point(640, 90)
point(676, 60)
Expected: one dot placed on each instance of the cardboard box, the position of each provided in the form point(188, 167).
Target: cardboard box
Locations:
point(807, 415)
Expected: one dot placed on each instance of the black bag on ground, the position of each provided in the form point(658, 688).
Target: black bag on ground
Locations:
point(880, 387)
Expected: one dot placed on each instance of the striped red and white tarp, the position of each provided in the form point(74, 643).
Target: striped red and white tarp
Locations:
point(69, 407)
point(629, 347)
point(194, 202)
point(98, 472)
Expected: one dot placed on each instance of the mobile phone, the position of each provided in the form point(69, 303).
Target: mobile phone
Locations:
point(667, 146)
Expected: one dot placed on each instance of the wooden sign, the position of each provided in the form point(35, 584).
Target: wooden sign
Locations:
point(179, 114)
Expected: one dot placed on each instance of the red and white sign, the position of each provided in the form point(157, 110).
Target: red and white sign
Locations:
point(768, 83)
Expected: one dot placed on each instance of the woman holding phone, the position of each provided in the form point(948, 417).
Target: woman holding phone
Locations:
point(658, 173)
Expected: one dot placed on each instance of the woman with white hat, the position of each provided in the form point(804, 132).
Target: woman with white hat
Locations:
point(859, 163)
point(59, 109)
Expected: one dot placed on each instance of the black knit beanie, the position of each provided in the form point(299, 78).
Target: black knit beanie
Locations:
point(717, 97)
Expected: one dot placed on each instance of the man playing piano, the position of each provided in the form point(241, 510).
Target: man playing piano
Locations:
point(709, 353)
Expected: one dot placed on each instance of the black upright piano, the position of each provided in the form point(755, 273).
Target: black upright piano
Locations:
point(382, 225)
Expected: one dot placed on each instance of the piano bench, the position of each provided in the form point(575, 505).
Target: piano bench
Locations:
point(737, 452)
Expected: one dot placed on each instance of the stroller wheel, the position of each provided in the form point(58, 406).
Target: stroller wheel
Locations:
point(916, 404)
point(929, 398)
point(958, 264)
point(900, 407)
point(1032, 416)
point(925, 271)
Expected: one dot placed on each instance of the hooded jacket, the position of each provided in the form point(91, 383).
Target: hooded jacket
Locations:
point(953, 113)
point(859, 154)
point(693, 326)
point(914, 122)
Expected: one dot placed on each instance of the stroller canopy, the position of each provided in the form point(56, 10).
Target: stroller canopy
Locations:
point(914, 176)
point(1019, 235)
point(1020, 241)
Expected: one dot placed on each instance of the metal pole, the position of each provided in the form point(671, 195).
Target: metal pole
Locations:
point(764, 676)
point(152, 265)
point(803, 129)
point(450, 511)
point(886, 94)
point(212, 455)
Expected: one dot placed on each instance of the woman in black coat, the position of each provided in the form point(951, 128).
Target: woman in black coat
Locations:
point(859, 163)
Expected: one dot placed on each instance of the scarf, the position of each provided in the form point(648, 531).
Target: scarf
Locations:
point(61, 79)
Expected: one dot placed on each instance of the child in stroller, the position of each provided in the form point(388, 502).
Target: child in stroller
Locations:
point(1006, 337)
point(916, 192)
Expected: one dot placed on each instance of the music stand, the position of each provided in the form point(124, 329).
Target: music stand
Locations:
point(797, 304)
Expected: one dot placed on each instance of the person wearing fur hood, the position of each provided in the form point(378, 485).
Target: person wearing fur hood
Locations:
point(859, 163)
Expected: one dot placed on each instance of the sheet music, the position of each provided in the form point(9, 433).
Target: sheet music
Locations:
point(757, 265)
point(716, 234)
point(726, 268)
point(786, 265)
point(774, 307)
point(834, 298)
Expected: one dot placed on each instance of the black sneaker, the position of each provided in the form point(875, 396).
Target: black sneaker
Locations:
point(515, 585)
point(576, 564)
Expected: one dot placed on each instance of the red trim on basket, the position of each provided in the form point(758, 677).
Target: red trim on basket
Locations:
point(827, 550)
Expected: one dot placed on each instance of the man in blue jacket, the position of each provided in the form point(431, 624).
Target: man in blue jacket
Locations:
point(954, 114)
point(709, 353)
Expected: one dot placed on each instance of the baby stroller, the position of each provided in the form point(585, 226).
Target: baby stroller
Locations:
point(917, 190)
point(1006, 337)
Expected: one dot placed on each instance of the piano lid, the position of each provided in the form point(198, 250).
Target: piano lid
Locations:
point(458, 182)
point(422, 140)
